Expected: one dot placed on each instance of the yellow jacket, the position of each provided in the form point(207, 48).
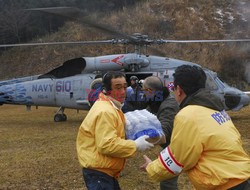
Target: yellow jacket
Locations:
point(101, 143)
point(206, 144)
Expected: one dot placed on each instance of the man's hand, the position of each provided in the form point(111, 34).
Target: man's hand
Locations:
point(142, 144)
point(147, 161)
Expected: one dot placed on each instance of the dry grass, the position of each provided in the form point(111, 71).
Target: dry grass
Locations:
point(36, 153)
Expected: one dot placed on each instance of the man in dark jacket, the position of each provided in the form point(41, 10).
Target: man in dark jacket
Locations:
point(164, 106)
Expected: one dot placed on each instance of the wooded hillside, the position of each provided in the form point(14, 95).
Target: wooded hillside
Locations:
point(177, 20)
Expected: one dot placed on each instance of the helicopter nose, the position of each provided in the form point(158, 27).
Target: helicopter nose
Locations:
point(236, 101)
point(245, 100)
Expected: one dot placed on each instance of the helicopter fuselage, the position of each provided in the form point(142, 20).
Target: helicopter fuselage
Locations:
point(68, 85)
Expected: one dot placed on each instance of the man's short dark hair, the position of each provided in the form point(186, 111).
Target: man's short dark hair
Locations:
point(189, 78)
point(109, 76)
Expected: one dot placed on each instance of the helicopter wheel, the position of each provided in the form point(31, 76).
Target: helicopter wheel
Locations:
point(64, 116)
point(60, 117)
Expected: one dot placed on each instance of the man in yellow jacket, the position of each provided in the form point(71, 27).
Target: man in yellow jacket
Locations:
point(101, 145)
point(204, 142)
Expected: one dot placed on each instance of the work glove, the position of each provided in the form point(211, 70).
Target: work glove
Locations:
point(142, 144)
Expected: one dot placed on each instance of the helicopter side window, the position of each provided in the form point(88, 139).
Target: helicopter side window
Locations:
point(210, 83)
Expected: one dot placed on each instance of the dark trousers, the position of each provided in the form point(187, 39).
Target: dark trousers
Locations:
point(96, 180)
point(242, 186)
point(170, 184)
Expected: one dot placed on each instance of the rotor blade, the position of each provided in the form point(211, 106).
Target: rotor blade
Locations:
point(71, 13)
point(58, 10)
point(76, 14)
point(201, 41)
point(59, 43)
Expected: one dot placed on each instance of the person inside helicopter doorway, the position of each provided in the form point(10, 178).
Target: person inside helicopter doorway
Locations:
point(135, 99)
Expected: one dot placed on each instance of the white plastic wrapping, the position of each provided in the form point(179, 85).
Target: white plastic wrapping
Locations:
point(142, 122)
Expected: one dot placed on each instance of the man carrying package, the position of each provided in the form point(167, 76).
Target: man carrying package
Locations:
point(204, 142)
point(101, 145)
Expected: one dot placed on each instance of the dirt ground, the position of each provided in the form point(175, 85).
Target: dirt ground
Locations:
point(36, 153)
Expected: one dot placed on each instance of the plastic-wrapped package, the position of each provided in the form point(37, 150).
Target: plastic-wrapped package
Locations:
point(142, 122)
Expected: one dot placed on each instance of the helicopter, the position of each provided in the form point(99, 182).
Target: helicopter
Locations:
point(69, 85)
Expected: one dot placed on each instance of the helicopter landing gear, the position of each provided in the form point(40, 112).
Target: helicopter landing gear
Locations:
point(60, 116)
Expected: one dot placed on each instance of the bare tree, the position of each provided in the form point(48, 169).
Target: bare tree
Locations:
point(12, 21)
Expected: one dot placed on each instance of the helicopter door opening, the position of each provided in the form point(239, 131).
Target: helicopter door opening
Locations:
point(140, 76)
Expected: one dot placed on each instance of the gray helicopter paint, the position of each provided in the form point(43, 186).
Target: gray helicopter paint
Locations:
point(72, 91)
point(103, 63)
point(78, 90)
point(18, 80)
point(48, 92)
point(42, 91)
point(221, 89)
point(158, 63)
point(115, 62)
point(123, 61)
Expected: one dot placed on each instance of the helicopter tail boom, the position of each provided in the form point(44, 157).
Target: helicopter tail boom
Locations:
point(18, 80)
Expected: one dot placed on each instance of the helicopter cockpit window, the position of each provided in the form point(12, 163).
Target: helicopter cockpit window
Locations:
point(220, 83)
point(210, 83)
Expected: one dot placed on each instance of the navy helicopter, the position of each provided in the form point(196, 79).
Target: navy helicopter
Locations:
point(68, 86)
